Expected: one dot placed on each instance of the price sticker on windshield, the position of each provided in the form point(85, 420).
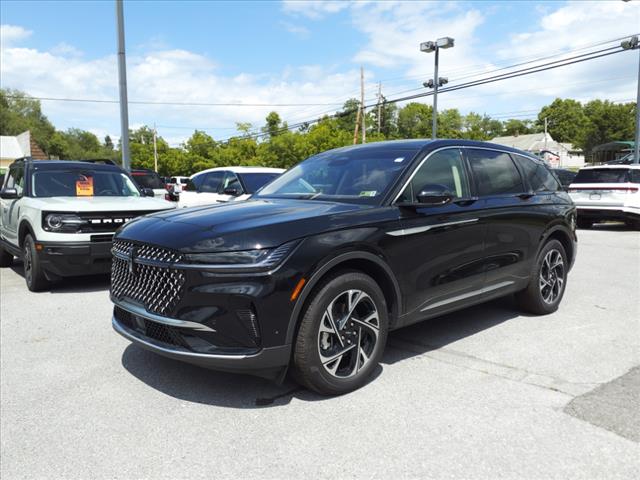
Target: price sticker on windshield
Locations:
point(84, 186)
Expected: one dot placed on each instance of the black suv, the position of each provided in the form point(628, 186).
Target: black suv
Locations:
point(321, 263)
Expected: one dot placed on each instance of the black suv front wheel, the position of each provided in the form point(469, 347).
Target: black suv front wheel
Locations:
point(342, 334)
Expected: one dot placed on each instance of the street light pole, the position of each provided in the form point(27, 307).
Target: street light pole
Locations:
point(633, 44)
point(122, 74)
point(427, 47)
point(434, 115)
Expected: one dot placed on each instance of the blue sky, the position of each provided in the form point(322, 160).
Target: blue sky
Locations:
point(299, 52)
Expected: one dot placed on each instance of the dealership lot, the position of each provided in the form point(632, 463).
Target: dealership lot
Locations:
point(486, 392)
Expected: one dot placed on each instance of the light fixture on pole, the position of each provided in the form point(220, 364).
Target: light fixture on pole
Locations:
point(633, 44)
point(428, 47)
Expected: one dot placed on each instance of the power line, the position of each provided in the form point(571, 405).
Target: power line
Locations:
point(495, 78)
point(185, 104)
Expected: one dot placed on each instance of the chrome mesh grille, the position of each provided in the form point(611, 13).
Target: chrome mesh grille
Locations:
point(158, 288)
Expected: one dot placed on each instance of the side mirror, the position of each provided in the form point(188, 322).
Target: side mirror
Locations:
point(8, 193)
point(434, 195)
point(234, 192)
point(148, 192)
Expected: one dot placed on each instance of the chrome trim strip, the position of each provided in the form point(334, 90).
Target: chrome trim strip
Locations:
point(468, 295)
point(154, 346)
point(410, 231)
point(173, 322)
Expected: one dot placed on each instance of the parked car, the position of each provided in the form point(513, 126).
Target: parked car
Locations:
point(607, 192)
point(318, 266)
point(565, 176)
point(146, 178)
point(60, 216)
point(177, 184)
point(224, 184)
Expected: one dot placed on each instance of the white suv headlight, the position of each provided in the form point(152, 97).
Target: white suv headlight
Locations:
point(62, 222)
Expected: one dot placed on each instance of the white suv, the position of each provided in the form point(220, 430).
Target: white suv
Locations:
point(224, 184)
point(607, 192)
point(60, 216)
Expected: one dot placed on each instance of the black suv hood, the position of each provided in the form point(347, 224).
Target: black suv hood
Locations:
point(242, 225)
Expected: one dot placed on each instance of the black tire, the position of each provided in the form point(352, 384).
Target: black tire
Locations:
point(584, 223)
point(33, 273)
point(6, 258)
point(361, 343)
point(544, 294)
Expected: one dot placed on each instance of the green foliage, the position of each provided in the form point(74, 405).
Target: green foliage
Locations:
point(566, 121)
point(595, 123)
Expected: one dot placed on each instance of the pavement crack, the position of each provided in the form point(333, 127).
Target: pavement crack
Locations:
point(470, 362)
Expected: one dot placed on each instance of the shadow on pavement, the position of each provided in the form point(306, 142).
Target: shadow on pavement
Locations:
point(438, 332)
point(610, 227)
point(194, 384)
point(89, 283)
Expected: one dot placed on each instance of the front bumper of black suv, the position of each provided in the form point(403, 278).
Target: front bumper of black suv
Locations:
point(192, 342)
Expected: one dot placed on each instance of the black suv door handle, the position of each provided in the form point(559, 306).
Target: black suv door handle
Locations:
point(525, 196)
point(463, 202)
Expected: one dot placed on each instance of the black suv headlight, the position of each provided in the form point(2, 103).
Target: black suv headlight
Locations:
point(259, 259)
point(62, 222)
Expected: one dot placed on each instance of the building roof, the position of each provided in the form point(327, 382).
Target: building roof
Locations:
point(531, 142)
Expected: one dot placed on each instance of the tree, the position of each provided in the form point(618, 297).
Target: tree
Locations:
point(388, 119)
point(347, 116)
point(19, 113)
point(515, 127)
point(274, 125)
point(414, 121)
point(566, 121)
point(108, 143)
point(201, 144)
point(608, 122)
point(450, 123)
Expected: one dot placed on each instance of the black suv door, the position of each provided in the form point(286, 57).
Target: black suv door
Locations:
point(507, 204)
point(440, 249)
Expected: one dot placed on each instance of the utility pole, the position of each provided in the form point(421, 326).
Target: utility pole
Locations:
point(364, 126)
point(155, 148)
point(634, 44)
point(355, 131)
point(122, 74)
point(379, 104)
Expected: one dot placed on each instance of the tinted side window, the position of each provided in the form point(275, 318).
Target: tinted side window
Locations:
point(635, 175)
point(441, 168)
point(495, 172)
point(211, 182)
point(15, 179)
point(539, 178)
point(231, 181)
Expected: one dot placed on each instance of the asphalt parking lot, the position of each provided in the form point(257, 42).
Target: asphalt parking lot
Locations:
point(483, 393)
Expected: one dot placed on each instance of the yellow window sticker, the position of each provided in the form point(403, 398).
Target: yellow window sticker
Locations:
point(84, 186)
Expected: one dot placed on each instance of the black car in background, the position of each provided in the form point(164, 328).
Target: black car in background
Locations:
point(323, 262)
point(146, 178)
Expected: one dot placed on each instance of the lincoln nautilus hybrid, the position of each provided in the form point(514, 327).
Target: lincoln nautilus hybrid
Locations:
point(311, 273)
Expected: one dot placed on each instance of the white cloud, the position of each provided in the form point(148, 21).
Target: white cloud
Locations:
point(314, 9)
point(298, 30)
point(12, 33)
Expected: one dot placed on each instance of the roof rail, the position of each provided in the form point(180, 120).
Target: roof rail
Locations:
point(106, 161)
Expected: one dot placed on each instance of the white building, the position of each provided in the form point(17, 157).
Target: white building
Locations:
point(23, 145)
point(556, 154)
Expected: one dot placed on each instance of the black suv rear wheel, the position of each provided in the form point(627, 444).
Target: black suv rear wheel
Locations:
point(342, 334)
point(548, 280)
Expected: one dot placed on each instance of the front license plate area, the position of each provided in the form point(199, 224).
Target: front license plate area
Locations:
point(595, 196)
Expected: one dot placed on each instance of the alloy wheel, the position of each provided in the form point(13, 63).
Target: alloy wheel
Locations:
point(552, 275)
point(348, 333)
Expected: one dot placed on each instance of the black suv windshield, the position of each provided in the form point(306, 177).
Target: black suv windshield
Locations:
point(82, 183)
point(359, 176)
